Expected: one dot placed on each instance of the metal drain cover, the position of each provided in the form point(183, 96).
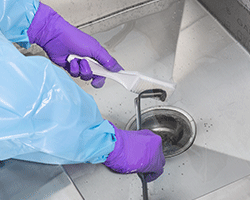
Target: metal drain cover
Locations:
point(176, 128)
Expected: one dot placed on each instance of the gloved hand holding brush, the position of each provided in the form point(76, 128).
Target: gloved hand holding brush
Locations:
point(59, 39)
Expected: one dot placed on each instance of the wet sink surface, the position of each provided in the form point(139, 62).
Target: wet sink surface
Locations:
point(212, 75)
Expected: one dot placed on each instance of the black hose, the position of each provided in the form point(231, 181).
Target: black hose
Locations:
point(154, 93)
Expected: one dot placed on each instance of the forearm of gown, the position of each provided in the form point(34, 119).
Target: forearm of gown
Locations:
point(15, 19)
point(45, 116)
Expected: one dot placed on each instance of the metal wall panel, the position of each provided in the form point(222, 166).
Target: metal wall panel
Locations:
point(234, 15)
point(79, 12)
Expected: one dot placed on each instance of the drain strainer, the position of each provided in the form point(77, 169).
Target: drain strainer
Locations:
point(175, 126)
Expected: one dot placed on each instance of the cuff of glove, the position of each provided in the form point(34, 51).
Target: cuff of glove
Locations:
point(114, 155)
point(42, 19)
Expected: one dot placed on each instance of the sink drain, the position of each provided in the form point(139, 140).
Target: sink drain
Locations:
point(175, 126)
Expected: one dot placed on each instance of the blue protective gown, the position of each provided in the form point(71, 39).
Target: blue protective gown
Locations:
point(44, 115)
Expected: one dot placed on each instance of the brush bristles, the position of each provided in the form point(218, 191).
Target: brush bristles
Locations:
point(144, 84)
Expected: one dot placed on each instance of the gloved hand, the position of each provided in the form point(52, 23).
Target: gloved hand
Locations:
point(59, 39)
point(137, 151)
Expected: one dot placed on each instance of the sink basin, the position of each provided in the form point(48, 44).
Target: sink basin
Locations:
point(212, 76)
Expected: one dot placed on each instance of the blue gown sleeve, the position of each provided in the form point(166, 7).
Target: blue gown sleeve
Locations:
point(44, 115)
point(15, 19)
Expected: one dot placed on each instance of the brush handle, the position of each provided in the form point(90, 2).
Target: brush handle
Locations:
point(96, 68)
point(131, 80)
point(125, 78)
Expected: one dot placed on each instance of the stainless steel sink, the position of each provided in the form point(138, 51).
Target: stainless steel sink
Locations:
point(212, 76)
point(211, 71)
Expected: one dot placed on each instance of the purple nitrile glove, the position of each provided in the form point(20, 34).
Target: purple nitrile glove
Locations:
point(59, 39)
point(135, 152)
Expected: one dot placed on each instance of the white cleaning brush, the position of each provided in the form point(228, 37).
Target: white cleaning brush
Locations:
point(131, 80)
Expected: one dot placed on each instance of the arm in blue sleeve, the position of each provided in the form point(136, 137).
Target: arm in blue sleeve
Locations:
point(45, 116)
point(15, 19)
